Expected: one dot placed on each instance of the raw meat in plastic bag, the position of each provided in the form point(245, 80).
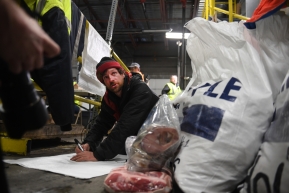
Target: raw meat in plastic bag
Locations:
point(157, 140)
point(122, 180)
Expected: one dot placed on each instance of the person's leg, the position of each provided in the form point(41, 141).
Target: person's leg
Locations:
point(55, 78)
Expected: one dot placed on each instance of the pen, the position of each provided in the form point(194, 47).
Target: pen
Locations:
point(78, 144)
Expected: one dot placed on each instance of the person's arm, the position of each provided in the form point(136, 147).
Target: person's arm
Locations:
point(23, 42)
point(166, 89)
point(103, 124)
point(140, 103)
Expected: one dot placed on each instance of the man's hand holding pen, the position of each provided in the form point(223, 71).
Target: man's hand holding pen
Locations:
point(84, 155)
point(85, 147)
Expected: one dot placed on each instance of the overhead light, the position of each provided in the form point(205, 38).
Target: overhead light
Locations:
point(175, 35)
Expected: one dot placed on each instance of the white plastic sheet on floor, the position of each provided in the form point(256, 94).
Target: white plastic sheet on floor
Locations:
point(61, 164)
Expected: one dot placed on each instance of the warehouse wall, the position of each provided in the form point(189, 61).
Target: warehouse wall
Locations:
point(157, 61)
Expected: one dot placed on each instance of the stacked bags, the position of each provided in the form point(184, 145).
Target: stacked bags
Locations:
point(270, 172)
point(228, 105)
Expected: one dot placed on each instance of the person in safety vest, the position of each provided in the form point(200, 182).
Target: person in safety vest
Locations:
point(126, 104)
point(22, 48)
point(55, 78)
point(172, 89)
point(23, 42)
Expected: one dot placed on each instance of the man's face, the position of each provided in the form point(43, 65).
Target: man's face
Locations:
point(174, 79)
point(134, 69)
point(113, 81)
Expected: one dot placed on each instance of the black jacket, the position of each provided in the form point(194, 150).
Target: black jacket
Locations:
point(137, 75)
point(133, 106)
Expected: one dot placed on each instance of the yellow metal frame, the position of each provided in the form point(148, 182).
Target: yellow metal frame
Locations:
point(210, 10)
point(18, 146)
point(115, 56)
point(76, 97)
point(92, 102)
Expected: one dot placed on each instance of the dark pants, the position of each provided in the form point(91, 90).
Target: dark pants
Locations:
point(55, 78)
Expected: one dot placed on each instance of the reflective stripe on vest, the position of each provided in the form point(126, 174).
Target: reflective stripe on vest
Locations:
point(174, 91)
point(76, 43)
point(40, 7)
point(67, 11)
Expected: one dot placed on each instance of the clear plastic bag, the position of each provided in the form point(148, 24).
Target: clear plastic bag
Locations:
point(128, 143)
point(157, 140)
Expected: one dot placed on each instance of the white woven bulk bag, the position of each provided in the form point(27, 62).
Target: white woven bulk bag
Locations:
point(271, 40)
point(228, 107)
point(270, 172)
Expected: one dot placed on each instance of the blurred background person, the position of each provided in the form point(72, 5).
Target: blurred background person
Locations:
point(135, 71)
point(172, 88)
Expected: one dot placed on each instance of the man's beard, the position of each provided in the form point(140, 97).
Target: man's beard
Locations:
point(115, 90)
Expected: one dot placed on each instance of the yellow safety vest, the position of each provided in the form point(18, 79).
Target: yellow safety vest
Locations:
point(174, 91)
point(43, 6)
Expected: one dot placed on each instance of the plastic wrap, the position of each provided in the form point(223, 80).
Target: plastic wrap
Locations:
point(157, 140)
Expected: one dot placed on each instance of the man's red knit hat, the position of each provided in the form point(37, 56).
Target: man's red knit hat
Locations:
point(104, 64)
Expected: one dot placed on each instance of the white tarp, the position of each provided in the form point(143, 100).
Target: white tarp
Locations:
point(94, 49)
point(61, 164)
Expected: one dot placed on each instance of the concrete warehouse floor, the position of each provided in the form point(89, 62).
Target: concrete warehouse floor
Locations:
point(26, 180)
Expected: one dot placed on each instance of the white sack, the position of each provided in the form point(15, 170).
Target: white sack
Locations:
point(270, 172)
point(94, 49)
point(228, 107)
point(271, 40)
